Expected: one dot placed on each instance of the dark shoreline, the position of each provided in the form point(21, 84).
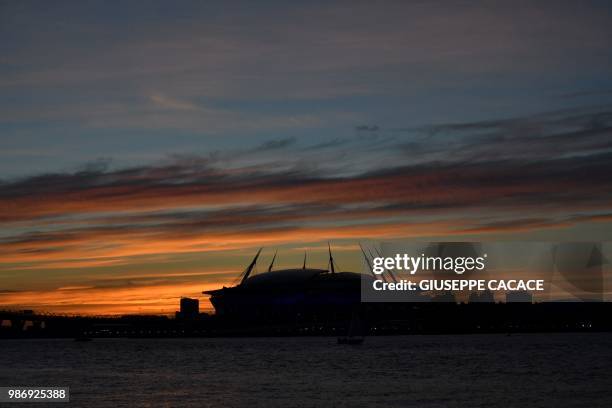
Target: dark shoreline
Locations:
point(379, 319)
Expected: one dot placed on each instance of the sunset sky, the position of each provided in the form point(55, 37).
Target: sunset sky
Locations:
point(147, 150)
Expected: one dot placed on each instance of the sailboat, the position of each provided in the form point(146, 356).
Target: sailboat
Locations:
point(355, 332)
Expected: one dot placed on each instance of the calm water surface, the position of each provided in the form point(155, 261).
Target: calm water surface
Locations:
point(535, 370)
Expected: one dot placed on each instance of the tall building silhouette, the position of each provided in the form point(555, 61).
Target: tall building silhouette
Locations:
point(190, 308)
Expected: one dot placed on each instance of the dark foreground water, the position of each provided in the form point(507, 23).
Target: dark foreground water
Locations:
point(530, 370)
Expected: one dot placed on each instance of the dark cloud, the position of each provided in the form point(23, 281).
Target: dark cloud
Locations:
point(515, 225)
point(275, 144)
point(523, 174)
point(575, 161)
point(331, 144)
point(540, 137)
point(291, 198)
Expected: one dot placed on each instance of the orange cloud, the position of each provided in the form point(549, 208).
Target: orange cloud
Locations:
point(158, 299)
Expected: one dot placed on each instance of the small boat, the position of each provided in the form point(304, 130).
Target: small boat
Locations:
point(355, 332)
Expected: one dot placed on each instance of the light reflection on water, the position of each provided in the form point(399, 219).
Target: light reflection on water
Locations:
point(535, 370)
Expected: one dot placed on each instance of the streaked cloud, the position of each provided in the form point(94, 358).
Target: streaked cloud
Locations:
point(102, 216)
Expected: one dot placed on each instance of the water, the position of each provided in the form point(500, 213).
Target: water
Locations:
point(535, 370)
